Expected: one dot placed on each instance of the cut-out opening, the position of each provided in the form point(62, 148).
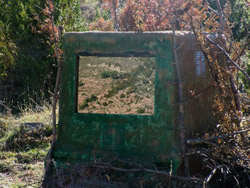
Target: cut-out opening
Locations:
point(115, 85)
point(200, 63)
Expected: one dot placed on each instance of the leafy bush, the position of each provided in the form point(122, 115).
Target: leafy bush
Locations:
point(26, 56)
point(84, 104)
point(119, 85)
point(122, 95)
point(105, 104)
point(108, 74)
point(92, 98)
point(141, 110)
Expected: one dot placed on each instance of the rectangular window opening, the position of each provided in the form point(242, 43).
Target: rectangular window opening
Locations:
point(200, 63)
point(115, 85)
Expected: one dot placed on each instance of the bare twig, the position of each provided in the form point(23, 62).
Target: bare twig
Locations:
point(220, 15)
point(158, 172)
point(214, 139)
point(55, 94)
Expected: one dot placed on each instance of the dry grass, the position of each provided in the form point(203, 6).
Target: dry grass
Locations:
point(22, 149)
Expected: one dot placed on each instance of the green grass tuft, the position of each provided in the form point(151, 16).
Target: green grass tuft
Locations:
point(23, 148)
point(141, 110)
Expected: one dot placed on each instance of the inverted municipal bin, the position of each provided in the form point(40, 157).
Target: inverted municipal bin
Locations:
point(119, 96)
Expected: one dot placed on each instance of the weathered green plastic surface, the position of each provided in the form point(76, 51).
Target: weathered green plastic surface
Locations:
point(148, 138)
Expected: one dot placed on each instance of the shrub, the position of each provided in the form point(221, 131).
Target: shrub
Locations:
point(105, 104)
point(110, 102)
point(141, 110)
point(120, 85)
point(122, 95)
point(111, 92)
point(112, 74)
point(86, 101)
point(83, 105)
point(92, 98)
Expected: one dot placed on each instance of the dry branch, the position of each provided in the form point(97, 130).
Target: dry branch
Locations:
point(232, 83)
point(214, 139)
point(220, 15)
point(157, 172)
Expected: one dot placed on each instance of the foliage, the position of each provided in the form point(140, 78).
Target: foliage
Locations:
point(241, 18)
point(213, 31)
point(141, 110)
point(84, 104)
point(26, 54)
point(102, 25)
point(25, 61)
point(246, 84)
point(144, 15)
point(68, 15)
point(107, 74)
